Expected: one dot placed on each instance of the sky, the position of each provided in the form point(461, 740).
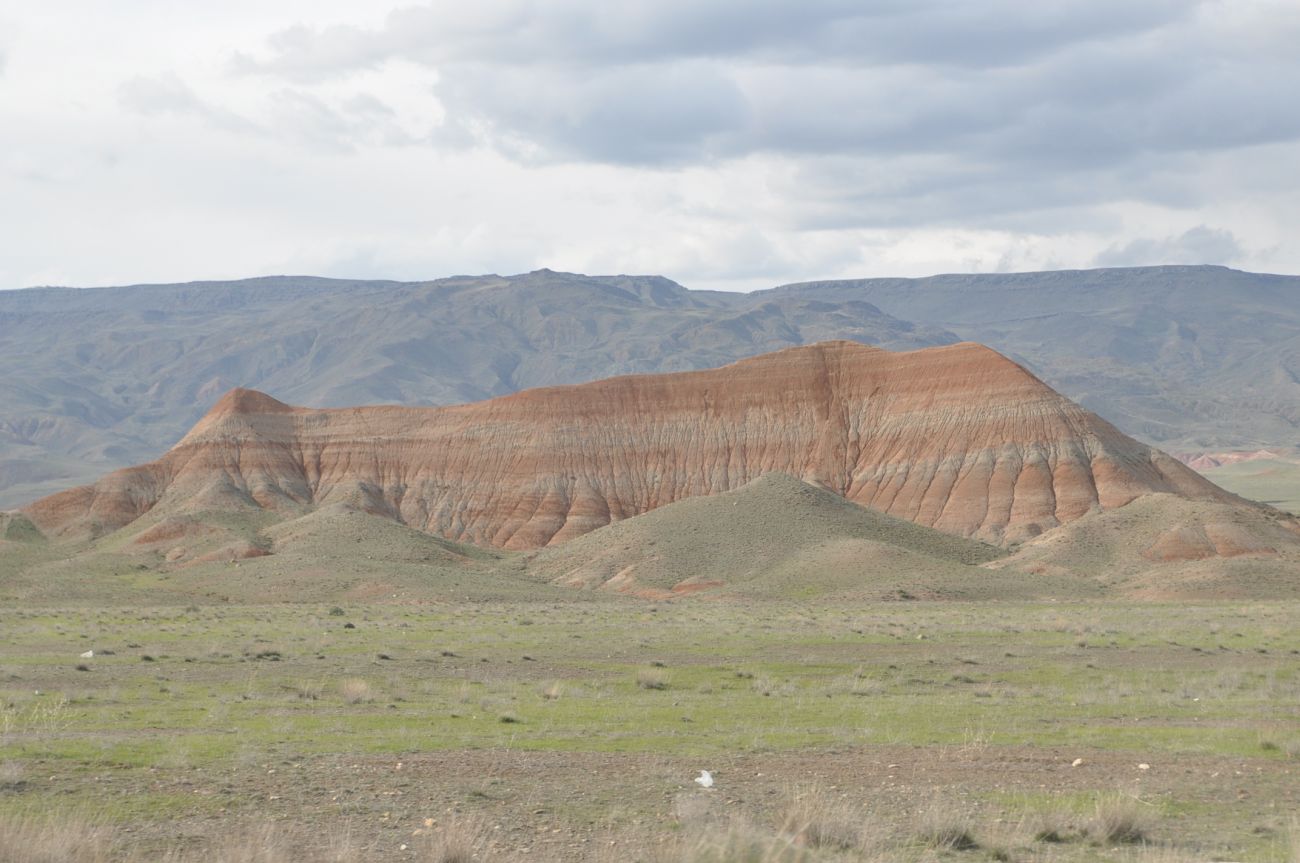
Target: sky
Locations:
point(726, 144)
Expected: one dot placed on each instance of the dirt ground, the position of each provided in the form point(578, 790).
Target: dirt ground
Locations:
point(576, 732)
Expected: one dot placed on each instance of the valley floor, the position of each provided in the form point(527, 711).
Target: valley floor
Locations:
point(574, 730)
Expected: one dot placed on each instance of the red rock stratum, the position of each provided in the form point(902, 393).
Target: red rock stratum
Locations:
point(958, 438)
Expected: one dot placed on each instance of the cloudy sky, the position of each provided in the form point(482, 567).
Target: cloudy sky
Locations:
point(727, 144)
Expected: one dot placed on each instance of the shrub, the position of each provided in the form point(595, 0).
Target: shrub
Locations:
point(1119, 819)
point(651, 678)
point(355, 690)
point(817, 819)
point(944, 830)
point(462, 839)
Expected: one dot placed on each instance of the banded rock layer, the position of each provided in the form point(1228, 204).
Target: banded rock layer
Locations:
point(958, 438)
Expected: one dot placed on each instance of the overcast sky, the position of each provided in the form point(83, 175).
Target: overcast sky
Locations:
point(731, 144)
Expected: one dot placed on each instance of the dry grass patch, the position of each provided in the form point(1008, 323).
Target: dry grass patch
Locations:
point(356, 691)
point(308, 690)
point(738, 842)
point(652, 678)
point(940, 828)
point(1053, 826)
point(816, 818)
point(1120, 819)
point(29, 839)
point(460, 839)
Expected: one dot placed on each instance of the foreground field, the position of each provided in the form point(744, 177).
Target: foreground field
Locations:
point(574, 730)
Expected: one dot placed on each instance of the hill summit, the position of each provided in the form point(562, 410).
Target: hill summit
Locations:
point(958, 438)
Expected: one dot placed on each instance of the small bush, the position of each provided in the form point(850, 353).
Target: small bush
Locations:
point(337, 612)
point(462, 839)
point(1119, 819)
point(651, 678)
point(940, 828)
point(817, 819)
point(1051, 825)
point(308, 690)
point(355, 690)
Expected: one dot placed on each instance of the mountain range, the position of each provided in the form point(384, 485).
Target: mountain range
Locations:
point(1188, 358)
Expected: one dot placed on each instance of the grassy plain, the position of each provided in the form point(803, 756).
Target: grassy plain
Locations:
point(573, 730)
point(1274, 481)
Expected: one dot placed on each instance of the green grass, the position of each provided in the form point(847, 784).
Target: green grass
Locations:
point(234, 689)
point(838, 677)
point(1272, 481)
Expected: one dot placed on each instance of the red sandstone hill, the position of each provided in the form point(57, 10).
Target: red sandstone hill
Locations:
point(959, 438)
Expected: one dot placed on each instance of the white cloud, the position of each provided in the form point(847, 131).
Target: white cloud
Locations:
point(733, 143)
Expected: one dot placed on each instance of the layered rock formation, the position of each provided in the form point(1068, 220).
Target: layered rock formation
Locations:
point(958, 438)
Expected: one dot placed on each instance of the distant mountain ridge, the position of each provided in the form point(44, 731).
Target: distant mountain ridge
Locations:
point(1191, 358)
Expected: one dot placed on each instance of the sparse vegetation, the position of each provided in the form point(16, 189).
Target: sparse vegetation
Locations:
point(459, 839)
point(940, 828)
point(355, 690)
point(1052, 825)
point(862, 720)
point(1119, 819)
point(816, 818)
point(652, 678)
point(28, 838)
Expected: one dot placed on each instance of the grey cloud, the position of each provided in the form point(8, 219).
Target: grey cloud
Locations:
point(839, 32)
point(1199, 245)
point(1069, 83)
point(896, 111)
point(655, 114)
point(913, 190)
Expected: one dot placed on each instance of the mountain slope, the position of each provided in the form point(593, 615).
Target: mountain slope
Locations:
point(1188, 357)
point(958, 438)
point(109, 377)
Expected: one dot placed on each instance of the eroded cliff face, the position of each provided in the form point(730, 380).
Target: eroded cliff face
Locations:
point(958, 438)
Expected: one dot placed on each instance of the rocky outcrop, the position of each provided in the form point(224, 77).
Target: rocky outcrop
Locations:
point(958, 438)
